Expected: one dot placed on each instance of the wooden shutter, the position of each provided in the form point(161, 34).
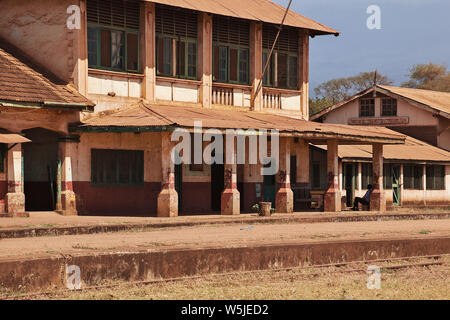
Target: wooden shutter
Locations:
point(115, 13)
point(229, 30)
point(287, 41)
point(176, 22)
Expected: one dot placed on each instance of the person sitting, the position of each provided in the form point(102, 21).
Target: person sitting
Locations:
point(365, 201)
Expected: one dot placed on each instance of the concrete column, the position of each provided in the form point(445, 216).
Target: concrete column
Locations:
point(303, 162)
point(378, 197)
point(284, 200)
point(333, 194)
point(359, 176)
point(79, 46)
point(66, 203)
point(15, 198)
point(148, 45)
point(168, 197)
point(401, 182)
point(256, 67)
point(424, 183)
point(230, 202)
point(205, 58)
point(303, 74)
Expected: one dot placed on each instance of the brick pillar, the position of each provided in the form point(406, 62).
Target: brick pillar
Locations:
point(15, 198)
point(231, 199)
point(377, 198)
point(168, 197)
point(303, 162)
point(205, 58)
point(256, 67)
point(284, 200)
point(333, 194)
point(66, 204)
point(148, 45)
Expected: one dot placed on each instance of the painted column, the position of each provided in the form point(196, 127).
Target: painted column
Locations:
point(148, 45)
point(230, 202)
point(256, 67)
point(15, 198)
point(284, 200)
point(304, 72)
point(205, 58)
point(303, 163)
point(168, 197)
point(378, 197)
point(333, 194)
point(66, 203)
point(359, 176)
point(424, 183)
point(401, 182)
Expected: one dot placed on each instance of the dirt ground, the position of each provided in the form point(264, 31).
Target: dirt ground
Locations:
point(220, 235)
point(431, 282)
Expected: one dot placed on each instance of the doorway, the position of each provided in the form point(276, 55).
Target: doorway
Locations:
point(179, 185)
point(217, 185)
point(270, 187)
point(396, 185)
point(350, 182)
point(40, 165)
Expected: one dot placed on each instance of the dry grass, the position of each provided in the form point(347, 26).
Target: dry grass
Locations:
point(432, 282)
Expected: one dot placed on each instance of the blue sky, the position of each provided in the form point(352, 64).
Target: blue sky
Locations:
point(412, 32)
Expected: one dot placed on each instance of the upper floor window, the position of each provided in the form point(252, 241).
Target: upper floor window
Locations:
point(282, 71)
point(367, 108)
point(113, 35)
point(435, 177)
point(231, 47)
point(388, 107)
point(176, 42)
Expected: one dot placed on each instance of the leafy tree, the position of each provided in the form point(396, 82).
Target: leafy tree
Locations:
point(429, 76)
point(336, 90)
point(340, 89)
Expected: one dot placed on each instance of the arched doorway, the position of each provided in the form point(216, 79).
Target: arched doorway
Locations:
point(40, 163)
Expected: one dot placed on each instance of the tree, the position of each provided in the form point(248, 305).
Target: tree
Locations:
point(343, 88)
point(429, 76)
point(336, 90)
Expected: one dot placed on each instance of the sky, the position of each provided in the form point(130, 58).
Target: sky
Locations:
point(412, 32)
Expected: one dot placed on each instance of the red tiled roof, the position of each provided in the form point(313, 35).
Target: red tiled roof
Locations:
point(23, 81)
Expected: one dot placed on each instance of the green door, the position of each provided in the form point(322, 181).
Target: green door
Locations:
point(396, 185)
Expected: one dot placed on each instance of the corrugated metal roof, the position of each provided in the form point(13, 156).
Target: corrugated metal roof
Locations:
point(412, 150)
point(22, 80)
point(12, 138)
point(145, 115)
point(256, 10)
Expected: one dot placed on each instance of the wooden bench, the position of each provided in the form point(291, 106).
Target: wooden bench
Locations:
point(302, 197)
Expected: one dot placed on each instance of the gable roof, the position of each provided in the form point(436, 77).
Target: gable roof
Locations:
point(24, 81)
point(433, 101)
point(412, 150)
point(143, 117)
point(256, 10)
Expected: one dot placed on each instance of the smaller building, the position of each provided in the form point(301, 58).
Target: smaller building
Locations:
point(422, 114)
point(415, 174)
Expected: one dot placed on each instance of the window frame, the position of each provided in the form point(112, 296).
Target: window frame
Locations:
point(369, 177)
point(116, 158)
point(272, 65)
point(175, 59)
point(391, 113)
point(361, 105)
point(230, 47)
point(99, 28)
point(434, 184)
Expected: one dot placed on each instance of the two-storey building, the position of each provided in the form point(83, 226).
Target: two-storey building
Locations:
point(153, 66)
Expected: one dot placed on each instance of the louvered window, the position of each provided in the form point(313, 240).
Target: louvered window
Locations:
point(113, 34)
point(176, 42)
point(231, 47)
point(282, 71)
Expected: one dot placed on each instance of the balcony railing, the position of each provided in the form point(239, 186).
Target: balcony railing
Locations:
point(222, 95)
point(271, 99)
